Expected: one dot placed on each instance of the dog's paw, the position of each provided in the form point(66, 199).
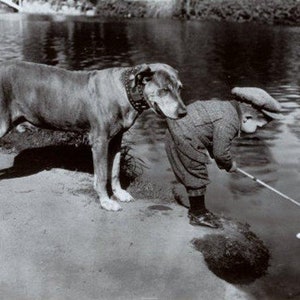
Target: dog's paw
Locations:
point(123, 196)
point(110, 204)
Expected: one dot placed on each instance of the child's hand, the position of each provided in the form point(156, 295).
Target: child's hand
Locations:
point(233, 167)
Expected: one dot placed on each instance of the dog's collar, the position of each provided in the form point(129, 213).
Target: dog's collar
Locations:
point(134, 92)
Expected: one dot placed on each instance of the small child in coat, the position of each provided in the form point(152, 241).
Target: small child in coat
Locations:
point(210, 126)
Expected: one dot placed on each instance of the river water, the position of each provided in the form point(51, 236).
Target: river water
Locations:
point(212, 58)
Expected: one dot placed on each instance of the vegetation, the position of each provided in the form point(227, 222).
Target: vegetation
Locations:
point(134, 9)
point(264, 11)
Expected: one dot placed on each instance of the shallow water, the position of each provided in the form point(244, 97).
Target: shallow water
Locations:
point(212, 58)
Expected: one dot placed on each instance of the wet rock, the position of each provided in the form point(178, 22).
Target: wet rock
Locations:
point(235, 254)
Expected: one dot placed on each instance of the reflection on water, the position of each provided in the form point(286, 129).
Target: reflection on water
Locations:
point(258, 160)
point(212, 58)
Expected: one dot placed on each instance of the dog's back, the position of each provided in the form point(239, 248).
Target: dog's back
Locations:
point(47, 96)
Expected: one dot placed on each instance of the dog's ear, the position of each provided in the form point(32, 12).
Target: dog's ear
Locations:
point(141, 75)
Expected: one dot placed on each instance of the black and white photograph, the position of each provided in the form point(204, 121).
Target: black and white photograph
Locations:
point(149, 149)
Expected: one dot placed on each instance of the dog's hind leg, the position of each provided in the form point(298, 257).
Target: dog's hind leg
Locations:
point(5, 116)
point(4, 128)
point(115, 151)
point(5, 124)
point(100, 160)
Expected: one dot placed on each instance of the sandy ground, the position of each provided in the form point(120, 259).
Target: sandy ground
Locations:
point(57, 243)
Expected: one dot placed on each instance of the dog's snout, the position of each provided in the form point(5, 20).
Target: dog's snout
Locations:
point(181, 112)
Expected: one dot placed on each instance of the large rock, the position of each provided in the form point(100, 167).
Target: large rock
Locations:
point(235, 253)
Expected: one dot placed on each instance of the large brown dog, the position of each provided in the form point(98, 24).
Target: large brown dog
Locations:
point(104, 103)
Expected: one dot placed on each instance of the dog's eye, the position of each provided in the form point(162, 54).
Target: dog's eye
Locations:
point(162, 92)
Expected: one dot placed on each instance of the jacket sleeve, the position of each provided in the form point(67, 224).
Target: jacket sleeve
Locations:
point(224, 133)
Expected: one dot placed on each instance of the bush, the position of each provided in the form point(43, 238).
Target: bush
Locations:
point(265, 11)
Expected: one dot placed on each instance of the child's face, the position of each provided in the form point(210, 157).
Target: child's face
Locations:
point(250, 122)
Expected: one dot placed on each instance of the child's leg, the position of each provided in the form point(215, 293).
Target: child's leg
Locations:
point(192, 174)
point(197, 203)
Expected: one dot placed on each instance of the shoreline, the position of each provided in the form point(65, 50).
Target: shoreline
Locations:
point(277, 12)
point(60, 231)
point(240, 11)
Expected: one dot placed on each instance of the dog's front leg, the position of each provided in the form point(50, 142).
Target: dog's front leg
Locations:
point(100, 160)
point(115, 151)
point(119, 193)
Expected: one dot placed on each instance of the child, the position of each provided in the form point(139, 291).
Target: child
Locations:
point(210, 126)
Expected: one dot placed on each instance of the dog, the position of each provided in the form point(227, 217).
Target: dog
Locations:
point(104, 103)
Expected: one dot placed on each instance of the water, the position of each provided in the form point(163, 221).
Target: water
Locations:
point(212, 58)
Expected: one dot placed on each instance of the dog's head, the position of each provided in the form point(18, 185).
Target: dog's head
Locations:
point(161, 89)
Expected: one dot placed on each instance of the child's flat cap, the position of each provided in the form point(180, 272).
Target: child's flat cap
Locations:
point(260, 100)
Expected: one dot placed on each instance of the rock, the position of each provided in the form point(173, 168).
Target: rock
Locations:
point(235, 254)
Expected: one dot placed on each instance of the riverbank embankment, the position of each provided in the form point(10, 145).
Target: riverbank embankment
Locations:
point(262, 11)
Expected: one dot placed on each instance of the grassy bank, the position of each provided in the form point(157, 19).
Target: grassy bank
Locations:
point(263, 11)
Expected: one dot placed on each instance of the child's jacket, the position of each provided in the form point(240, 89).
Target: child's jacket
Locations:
point(210, 125)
